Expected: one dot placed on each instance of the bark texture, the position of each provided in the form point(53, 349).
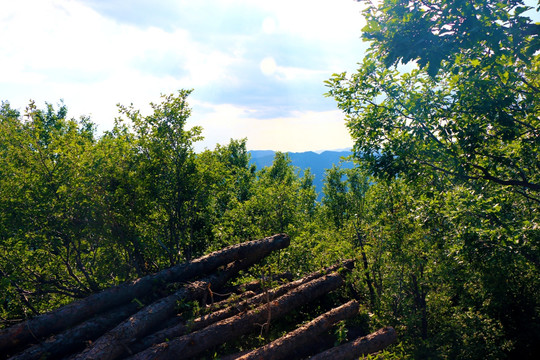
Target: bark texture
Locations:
point(112, 325)
point(218, 333)
point(65, 317)
point(180, 328)
point(283, 347)
point(115, 343)
point(254, 286)
point(361, 346)
point(75, 339)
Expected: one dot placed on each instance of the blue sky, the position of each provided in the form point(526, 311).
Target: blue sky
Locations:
point(257, 67)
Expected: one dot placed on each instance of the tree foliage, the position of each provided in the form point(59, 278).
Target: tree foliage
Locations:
point(450, 223)
point(470, 110)
point(80, 212)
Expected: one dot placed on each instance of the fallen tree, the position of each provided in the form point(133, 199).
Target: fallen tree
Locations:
point(75, 339)
point(126, 329)
point(362, 346)
point(181, 328)
point(218, 333)
point(283, 347)
point(116, 342)
point(47, 324)
point(255, 286)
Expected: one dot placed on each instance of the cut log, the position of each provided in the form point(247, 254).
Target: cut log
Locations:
point(218, 333)
point(283, 289)
point(114, 344)
point(180, 328)
point(362, 346)
point(326, 341)
point(254, 285)
point(179, 320)
point(65, 317)
point(278, 291)
point(283, 347)
point(75, 339)
point(230, 301)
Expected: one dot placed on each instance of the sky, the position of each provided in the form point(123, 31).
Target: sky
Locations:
point(257, 67)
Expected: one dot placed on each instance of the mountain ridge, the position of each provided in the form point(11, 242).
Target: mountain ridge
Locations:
point(316, 162)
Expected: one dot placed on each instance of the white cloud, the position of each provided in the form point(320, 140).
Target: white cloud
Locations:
point(268, 66)
point(269, 25)
point(87, 59)
point(302, 131)
point(319, 20)
point(67, 49)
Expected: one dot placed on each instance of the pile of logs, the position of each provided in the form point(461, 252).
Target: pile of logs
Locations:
point(115, 323)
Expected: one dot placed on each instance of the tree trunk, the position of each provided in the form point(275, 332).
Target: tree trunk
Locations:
point(180, 327)
point(361, 346)
point(44, 325)
point(323, 342)
point(116, 342)
point(367, 273)
point(283, 347)
point(420, 294)
point(75, 339)
point(193, 344)
point(254, 285)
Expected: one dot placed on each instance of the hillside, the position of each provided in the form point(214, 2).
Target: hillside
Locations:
point(316, 162)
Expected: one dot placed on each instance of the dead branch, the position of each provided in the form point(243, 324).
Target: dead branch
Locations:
point(361, 346)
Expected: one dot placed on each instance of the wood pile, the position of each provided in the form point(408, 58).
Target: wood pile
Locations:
point(131, 321)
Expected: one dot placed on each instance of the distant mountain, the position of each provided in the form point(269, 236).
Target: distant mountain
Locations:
point(316, 162)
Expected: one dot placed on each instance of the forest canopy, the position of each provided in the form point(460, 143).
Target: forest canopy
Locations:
point(459, 135)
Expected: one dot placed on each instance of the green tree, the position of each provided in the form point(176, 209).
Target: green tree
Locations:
point(229, 180)
point(49, 224)
point(451, 225)
point(80, 213)
point(470, 112)
point(335, 195)
point(167, 166)
point(280, 201)
point(126, 203)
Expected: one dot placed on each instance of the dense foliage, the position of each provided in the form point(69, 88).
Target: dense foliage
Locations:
point(441, 211)
point(453, 231)
point(80, 213)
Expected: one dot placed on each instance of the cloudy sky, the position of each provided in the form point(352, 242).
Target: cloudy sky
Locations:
point(257, 67)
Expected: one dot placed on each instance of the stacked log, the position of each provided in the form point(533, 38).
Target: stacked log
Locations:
point(62, 319)
point(192, 344)
point(114, 324)
point(283, 347)
point(180, 327)
point(72, 339)
point(364, 345)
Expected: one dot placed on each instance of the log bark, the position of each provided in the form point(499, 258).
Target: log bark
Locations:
point(254, 286)
point(230, 301)
point(177, 323)
point(362, 346)
point(44, 325)
point(324, 342)
point(180, 328)
point(283, 347)
point(75, 339)
point(116, 342)
point(218, 333)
